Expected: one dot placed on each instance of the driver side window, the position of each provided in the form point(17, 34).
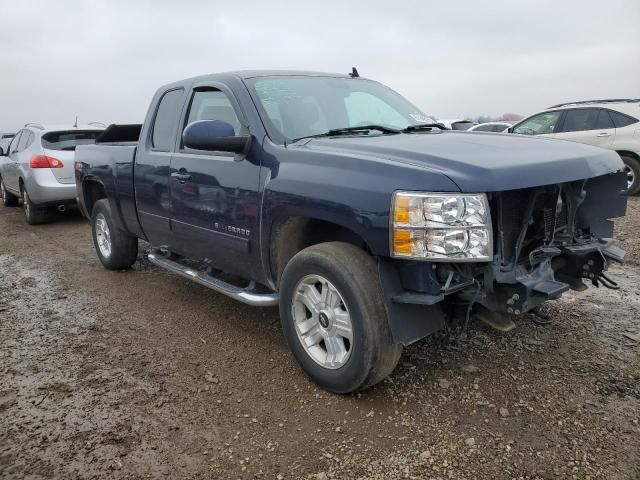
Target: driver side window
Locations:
point(544, 123)
point(211, 104)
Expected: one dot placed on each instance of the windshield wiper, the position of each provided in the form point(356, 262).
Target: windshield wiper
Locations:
point(348, 130)
point(424, 126)
point(380, 128)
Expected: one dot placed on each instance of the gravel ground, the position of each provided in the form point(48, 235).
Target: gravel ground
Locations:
point(141, 374)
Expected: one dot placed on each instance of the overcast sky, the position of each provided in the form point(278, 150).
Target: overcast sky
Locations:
point(103, 60)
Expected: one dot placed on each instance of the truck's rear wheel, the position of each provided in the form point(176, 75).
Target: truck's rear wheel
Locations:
point(334, 318)
point(116, 249)
point(8, 199)
point(33, 214)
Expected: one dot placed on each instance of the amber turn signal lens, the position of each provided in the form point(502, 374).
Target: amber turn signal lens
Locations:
point(402, 242)
point(401, 210)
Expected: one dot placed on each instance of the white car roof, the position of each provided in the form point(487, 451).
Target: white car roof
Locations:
point(56, 128)
point(630, 107)
point(455, 120)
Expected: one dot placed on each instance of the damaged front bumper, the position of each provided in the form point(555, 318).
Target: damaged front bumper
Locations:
point(547, 240)
point(557, 270)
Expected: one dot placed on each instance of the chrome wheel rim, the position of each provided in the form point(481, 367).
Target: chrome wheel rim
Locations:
point(103, 236)
point(322, 322)
point(631, 176)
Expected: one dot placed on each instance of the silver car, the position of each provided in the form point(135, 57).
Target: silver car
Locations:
point(38, 168)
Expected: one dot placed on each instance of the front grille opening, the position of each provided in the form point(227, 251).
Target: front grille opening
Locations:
point(541, 213)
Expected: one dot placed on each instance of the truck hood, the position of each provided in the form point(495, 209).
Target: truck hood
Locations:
point(481, 162)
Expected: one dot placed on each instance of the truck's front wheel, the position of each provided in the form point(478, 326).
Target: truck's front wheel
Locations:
point(334, 318)
point(116, 249)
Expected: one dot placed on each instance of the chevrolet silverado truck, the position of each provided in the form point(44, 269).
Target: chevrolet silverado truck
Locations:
point(367, 223)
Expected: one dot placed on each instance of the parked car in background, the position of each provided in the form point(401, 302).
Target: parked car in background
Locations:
point(612, 124)
point(331, 197)
point(495, 127)
point(458, 124)
point(5, 139)
point(38, 168)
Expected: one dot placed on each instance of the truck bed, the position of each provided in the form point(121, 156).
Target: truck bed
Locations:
point(112, 165)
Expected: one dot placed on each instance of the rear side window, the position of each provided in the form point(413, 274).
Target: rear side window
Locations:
point(604, 120)
point(166, 121)
point(582, 119)
point(621, 120)
point(68, 140)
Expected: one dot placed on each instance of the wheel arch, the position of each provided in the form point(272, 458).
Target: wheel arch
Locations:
point(290, 234)
point(628, 153)
point(92, 191)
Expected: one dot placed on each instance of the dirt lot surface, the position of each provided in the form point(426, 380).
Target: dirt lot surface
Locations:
point(141, 374)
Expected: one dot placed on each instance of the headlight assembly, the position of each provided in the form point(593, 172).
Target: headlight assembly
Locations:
point(441, 226)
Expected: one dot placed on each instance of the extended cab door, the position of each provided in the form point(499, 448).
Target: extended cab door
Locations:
point(214, 195)
point(592, 126)
point(151, 170)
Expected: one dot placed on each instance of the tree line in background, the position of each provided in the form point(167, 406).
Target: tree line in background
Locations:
point(506, 117)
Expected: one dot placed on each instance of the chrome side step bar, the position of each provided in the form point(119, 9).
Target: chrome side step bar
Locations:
point(244, 295)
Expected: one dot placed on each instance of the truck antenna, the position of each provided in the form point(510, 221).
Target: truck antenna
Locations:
point(354, 73)
point(75, 125)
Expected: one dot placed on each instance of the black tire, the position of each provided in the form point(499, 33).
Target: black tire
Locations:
point(633, 168)
point(123, 248)
point(33, 214)
point(354, 274)
point(8, 198)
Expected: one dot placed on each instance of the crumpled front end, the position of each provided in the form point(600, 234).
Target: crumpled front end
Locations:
point(546, 241)
point(551, 239)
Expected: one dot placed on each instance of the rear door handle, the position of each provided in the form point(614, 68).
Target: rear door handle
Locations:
point(603, 134)
point(181, 176)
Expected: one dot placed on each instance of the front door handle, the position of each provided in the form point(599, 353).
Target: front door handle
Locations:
point(603, 134)
point(182, 176)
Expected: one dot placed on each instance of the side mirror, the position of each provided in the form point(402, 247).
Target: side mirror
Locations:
point(214, 136)
point(510, 130)
point(2, 154)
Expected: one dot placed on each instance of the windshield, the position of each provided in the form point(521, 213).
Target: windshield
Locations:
point(298, 107)
point(69, 140)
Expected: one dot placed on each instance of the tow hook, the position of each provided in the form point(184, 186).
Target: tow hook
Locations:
point(605, 281)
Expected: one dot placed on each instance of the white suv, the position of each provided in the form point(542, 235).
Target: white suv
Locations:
point(612, 124)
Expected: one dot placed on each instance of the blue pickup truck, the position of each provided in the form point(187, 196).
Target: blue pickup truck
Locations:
point(368, 223)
